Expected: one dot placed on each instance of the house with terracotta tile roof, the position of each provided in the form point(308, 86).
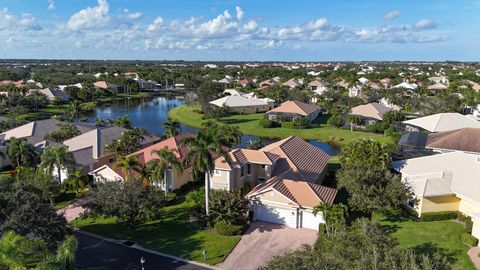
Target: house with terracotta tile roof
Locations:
point(147, 154)
point(287, 177)
point(291, 110)
point(106, 86)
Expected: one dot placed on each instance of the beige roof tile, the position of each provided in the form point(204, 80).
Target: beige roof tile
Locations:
point(295, 107)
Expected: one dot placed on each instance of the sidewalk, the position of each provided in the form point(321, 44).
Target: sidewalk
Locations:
point(72, 211)
point(473, 253)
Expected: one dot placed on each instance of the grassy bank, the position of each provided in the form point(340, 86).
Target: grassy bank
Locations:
point(172, 234)
point(249, 125)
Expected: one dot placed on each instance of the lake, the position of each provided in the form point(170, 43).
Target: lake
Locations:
point(152, 112)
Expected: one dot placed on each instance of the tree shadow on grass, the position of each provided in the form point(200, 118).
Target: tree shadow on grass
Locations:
point(237, 121)
point(429, 249)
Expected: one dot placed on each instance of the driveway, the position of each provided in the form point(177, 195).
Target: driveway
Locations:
point(72, 211)
point(263, 241)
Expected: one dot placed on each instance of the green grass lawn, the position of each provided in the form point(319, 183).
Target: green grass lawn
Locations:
point(172, 234)
point(249, 125)
point(422, 236)
point(64, 199)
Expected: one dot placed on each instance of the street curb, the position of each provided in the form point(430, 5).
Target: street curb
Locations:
point(138, 247)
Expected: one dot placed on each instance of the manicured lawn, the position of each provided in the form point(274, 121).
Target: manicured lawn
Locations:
point(172, 234)
point(249, 125)
point(425, 236)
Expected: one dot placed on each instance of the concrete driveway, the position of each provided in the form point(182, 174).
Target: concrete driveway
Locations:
point(263, 241)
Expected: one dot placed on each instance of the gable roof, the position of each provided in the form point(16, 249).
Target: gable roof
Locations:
point(316, 83)
point(302, 193)
point(371, 110)
point(296, 107)
point(437, 86)
point(240, 101)
point(465, 139)
point(443, 122)
point(454, 172)
point(51, 93)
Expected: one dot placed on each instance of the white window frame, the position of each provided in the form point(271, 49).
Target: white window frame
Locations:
point(217, 172)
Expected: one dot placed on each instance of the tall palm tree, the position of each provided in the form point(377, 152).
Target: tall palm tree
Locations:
point(123, 122)
point(128, 165)
point(171, 127)
point(75, 179)
point(166, 161)
point(57, 158)
point(200, 153)
point(74, 109)
point(21, 152)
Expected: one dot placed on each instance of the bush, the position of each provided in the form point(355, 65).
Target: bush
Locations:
point(469, 239)
point(436, 216)
point(266, 123)
point(226, 228)
point(301, 122)
point(335, 121)
point(376, 128)
point(468, 222)
point(321, 229)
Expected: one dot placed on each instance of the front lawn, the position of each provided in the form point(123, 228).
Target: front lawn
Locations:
point(249, 125)
point(172, 234)
point(64, 199)
point(426, 236)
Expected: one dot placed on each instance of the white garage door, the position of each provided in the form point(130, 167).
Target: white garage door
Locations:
point(276, 215)
point(310, 221)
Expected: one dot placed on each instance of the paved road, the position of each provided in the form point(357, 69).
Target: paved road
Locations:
point(101, 254)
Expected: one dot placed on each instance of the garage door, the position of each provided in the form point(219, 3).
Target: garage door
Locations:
point(310, 221)
point(276, 215)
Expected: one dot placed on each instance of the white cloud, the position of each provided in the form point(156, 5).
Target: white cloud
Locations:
point(131, 15)
point(392, 14)
point(318, 24)
point(90, 17)
point(425, 24)
point(27, 21)
point(219, 25)
point(51, 4)
point(240, 13)
point(155, 25)
point(250, 26)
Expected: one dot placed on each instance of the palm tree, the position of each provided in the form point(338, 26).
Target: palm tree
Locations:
point(128, 165)
point(171, 127)
point(123, 122)
point(57, 158)
point(74, 109)
point(200, 154)
point(75, 179)
point(166, 161)
point(65, 255)
point(21, 152)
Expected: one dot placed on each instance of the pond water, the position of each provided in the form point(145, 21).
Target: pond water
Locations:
point(151, 113)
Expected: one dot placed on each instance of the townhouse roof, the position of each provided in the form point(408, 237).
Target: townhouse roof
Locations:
point(302, 193)
point(296, 107)
point(443, 122)
point(316, 83)
point(442, 174)
point(465, 139)
point(240, 101)
point(104, 85)
point(172, 144)
point(35, 131)
point(371, 110)
point(406, 85)
point(51, 93)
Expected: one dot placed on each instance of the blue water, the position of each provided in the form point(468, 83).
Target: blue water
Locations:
point(151, 113)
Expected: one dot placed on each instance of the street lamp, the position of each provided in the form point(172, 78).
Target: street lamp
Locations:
point(142, 261)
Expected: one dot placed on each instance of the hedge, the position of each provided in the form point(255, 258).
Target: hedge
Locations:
point(435, 216)
point(468, 239)
point(226, 228)
point(266, 123)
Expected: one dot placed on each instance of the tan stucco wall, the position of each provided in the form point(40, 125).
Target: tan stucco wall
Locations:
point(273, 196)
point(220, 181)
point(181, 179)
point(437, 204)
point(476, 228)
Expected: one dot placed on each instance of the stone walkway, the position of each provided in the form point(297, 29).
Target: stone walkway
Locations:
point(72, 211)
point(473, 253)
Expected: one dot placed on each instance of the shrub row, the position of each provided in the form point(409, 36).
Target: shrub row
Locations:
point(468, 239)
point(435, 216)
point(226, 228)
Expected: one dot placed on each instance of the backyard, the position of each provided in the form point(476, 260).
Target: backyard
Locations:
point(173, 234)
point(249, 125)
point(427, 236)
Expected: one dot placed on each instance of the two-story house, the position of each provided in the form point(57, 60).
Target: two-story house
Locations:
point(286, 176)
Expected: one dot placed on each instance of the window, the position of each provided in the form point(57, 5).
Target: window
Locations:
point(218, 172)
point(261, 179)
point(263, 166)
point(249, 169)
point(242, 172)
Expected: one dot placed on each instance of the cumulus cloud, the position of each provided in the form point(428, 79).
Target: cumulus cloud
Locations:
point(240, 13)
point(26, 22)
point(425, 24)
point(392, 14)
point(51, 4)
point(90, 17)
point(155, 25)
point(130, 15)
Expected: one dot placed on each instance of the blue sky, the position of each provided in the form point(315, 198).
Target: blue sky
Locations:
point(300, 30)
